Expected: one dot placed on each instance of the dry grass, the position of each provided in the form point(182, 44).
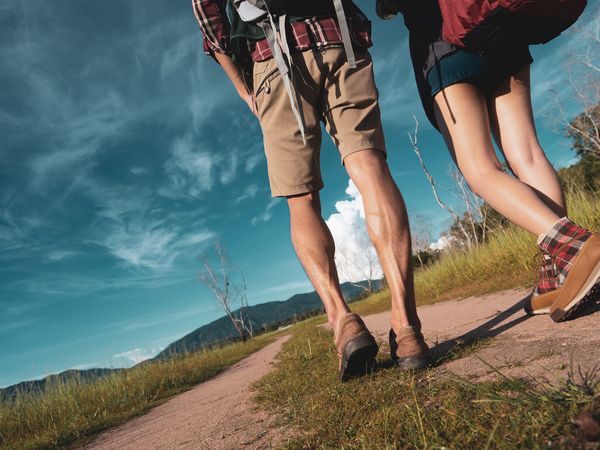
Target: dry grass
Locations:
point(506, 261)
point(393, 410)
point(71, 413)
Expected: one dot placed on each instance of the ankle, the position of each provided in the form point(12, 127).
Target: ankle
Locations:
point(334, 317)
point(398, 324)
point(561, 234)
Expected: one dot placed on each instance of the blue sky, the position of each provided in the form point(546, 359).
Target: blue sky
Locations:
point(125, 153)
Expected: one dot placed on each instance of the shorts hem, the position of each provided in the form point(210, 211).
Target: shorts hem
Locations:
point(366, 146)
point(296, 190)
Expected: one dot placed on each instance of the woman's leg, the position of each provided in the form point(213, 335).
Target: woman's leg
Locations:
point(462, 114)
point(511, 117)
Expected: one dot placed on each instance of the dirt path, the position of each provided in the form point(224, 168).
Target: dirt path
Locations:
point(522, 346)
point(217, 414)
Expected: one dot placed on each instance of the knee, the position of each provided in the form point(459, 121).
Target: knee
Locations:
point(366, 163)
point(309, 200)
point(526, 160)
point(478, 178)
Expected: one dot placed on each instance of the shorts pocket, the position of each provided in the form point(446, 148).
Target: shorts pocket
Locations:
point(263, 72)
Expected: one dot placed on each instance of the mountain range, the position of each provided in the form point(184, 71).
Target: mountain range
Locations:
point(263, 317)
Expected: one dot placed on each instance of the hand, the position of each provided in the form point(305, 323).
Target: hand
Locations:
point(387, 9)
point(248, 97)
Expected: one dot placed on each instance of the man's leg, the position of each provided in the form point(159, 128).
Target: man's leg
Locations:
point(387, 224)
point(315, 248)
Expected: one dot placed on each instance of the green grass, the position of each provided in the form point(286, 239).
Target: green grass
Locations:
point(384, 411)
point(390, 409)
point(71, 413)
point(506, 261)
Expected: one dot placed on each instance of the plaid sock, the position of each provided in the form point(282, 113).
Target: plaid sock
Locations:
point(547, 279)
point(562, 244)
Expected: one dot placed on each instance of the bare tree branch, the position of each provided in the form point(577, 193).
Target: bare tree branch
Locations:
point(228, 296)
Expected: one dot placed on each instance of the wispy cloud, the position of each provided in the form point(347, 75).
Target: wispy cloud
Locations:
point(136, 356)
point(267, 213)
point(59, 255)
point(249, 192)
point(190, 171)
point(289, 286)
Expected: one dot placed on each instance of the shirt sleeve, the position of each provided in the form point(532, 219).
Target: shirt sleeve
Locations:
point(213, 23)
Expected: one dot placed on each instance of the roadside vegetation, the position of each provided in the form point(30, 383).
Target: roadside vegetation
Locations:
point(506, 260)
point(70, 413)
point(386, 410)
point(390, 410)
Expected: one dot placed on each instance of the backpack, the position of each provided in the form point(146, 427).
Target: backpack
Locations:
point(272, 17)
point(484, 24)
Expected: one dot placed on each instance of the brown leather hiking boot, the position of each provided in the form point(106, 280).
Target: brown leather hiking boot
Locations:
point(408, 349)
point(356, 347)
point(540, 304)
point(582, 283)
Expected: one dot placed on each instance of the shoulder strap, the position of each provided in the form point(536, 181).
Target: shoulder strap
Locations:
point(284, 69)
point(343, 23)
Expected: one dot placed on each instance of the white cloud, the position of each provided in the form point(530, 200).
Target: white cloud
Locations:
point(138, 170)
point(356, 258)
point(137, 355)
point(152, 244)
point(442, 243)
point(292, 285)
point(249, 192)
point(189, 171)
point(267, 213)
point(59, 255)
point(253, 160)
point(142, 247)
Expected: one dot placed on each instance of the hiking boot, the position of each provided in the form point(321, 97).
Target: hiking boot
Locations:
point(408, 349)
point(356, 347)
point(540, 304)
point(546, 289)
point(582, 282)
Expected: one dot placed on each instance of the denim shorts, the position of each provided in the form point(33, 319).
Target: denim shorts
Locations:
point(486, 71)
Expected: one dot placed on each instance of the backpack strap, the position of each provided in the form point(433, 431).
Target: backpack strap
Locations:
point(284, 69)
point(343, 23)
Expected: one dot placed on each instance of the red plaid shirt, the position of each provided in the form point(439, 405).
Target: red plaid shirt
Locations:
point(313, 33)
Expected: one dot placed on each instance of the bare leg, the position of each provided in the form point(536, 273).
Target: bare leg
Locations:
point(464, 121)
point(315, 248)
point(514, 129)
point(387, 224)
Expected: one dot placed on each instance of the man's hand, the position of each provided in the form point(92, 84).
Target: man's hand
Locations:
point(235, 75)
point(250, 101)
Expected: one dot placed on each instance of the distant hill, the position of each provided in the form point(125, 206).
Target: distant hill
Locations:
point(265, 316)
point(36, 386)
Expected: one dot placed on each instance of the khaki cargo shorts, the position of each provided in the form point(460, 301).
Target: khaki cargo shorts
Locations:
point(345, 99)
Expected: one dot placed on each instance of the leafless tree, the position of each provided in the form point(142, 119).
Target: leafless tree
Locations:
point(583, 69)
point(228, 286)
point(476, 214)
point(420, 231)
point(360, 261)
point(414, 140)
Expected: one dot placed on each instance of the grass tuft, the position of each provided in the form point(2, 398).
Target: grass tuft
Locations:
point(507, 261)
point(72, 412)
point(391, 409)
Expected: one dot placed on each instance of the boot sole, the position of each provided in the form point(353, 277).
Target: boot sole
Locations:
point(590, 291)
point(413, 362)
point(358, 357)
point(534, 312)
